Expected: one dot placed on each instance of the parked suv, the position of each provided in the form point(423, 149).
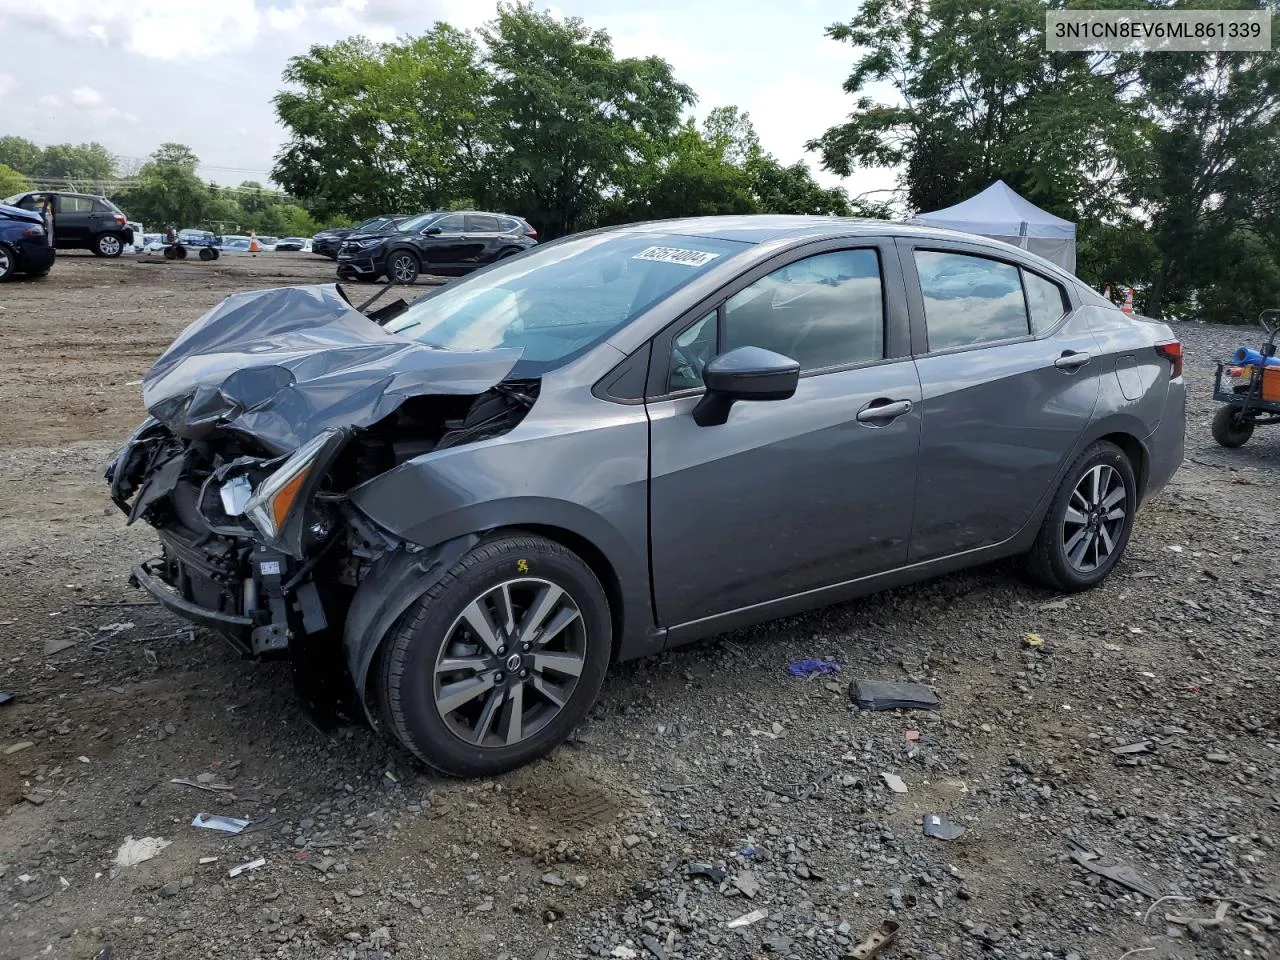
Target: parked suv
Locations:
point(82, 221)
point(442, 243)
point(23, 246)
point(327, 242)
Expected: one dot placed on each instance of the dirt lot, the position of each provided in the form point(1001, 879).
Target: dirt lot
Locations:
point(711, 755)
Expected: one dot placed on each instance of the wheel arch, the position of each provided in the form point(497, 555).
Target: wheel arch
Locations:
point(1137, 453)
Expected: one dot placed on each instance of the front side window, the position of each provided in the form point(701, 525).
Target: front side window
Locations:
point(691, 351)
point(561, 299)
point(74, 204)
point(1046, 302)
point(970, 300)
point(452, 224)
point(823, 311)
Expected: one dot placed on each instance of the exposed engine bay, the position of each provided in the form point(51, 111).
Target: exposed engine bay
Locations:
point(258, 540)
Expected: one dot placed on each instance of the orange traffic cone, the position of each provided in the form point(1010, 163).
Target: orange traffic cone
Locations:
point(254, 246)
point(1128, 301)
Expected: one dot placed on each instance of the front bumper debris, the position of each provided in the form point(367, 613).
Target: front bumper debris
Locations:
point(143, 577)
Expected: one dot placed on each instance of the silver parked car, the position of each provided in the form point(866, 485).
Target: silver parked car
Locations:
point(458, 513)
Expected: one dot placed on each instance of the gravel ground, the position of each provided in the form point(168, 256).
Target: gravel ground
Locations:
point(707, 785)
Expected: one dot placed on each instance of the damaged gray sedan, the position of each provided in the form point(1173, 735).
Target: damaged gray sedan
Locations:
point(453, 515)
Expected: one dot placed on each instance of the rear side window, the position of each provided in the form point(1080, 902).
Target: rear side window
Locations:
point(482, 223)
point(75, 204)
point(512, 225)
point(102, 206)
point(970, 300)
point(824, 311)
point(1046, 303)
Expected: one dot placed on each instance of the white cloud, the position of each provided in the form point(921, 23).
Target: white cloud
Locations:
point(86, 97)
point(7, 84)
point(50, 101)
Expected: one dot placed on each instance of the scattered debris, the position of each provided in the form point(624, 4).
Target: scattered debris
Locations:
point(1033, 640)
point(35, 799)
point(937, 825)
point(553, 879)
point(747, 919)
point(1120, 873)
point(891, 695)
point(216, 822)
point(894, 782)
point(133, 852)
point(747, 883)
point(878, 939)
point(1142, 746)
point(912, 735)
point(623, 952)
point(1201, 923)
point(201, 785)
point(810, 667)
point(714, 874)
point(1062, 604)
point(244, 867)
point(204, 860)
point(18, 747)
point(5, 697)
point(56, 645)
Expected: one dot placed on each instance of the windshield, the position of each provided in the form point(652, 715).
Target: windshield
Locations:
point(374, 224)
point(559, 300)
point(414, 224)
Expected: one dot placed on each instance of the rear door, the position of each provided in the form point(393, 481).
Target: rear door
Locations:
point(791, 495)
point(1009, 375)
point(485, 236)
point(72, 219)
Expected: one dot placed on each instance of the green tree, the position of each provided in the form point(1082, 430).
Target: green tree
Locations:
point(176, 155)
point(979, 98)
point(575, 123)
point(165, 193)
point(75, 165)
point(11, 181)
point(20, 154)
point(384, 128)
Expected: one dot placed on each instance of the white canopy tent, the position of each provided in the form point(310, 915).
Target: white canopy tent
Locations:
point(1001, 214)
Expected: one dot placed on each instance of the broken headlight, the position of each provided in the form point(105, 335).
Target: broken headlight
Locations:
point(277, 506)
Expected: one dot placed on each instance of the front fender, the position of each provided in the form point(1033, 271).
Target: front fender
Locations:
point(396, 582)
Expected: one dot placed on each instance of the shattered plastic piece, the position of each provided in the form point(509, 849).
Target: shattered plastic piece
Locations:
point(251, 865)
point(57, 645)
point(937, 825)
point(912, 735)
point(879, 938)
point(1120, 873)
point(807, 668)
point(894, 782)
point(890, 695)
point(1142, 746)
point(137, 851)
point(203, 860)
point(714, 874)
point(1033, 640)
point(5, 697)
point(216, 822)
point(747, 919)
point(213, 787)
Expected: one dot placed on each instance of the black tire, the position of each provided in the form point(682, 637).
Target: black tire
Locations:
point(8, 262)
point(170, 253)
point(1048, 561)
point(408, 661)
point(206, 254)
point(180, 252)
point(108, 245)
point(403, 267)
point(1231, 429)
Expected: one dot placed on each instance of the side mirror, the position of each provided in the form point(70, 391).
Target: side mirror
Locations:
point(432, 231)
point(744, 373)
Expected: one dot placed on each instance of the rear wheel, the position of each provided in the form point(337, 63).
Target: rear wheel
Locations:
point(500, 660)
point(402, 267)
point(8, 262)
point(1231, 428)
point(1089, 522)
point(108, 245)
point(207, 254)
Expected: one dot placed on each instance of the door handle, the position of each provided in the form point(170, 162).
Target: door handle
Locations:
point(882, 411)
point(1071, 360)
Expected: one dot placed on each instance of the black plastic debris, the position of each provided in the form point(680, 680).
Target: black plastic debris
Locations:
point(937, 825)
point(1120, 873)
point(5, 697)
point(714, 874)
point(891, 695)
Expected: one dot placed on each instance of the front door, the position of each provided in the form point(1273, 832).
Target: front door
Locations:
point(791, 495)
point(1009, 380)
point(445, 250)
point(72, 219)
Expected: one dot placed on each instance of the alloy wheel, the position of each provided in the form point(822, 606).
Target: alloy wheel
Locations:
point(5, 263)
point(510, 662)
point(1095, 518)
point(404, 269)
point(109, 246)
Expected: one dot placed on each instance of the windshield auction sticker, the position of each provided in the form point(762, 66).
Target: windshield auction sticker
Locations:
point(689, 258)
point(1135, 31)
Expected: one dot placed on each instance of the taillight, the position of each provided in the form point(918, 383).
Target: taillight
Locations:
point(531, 233)
point(33, 232)
point(121, 219)
point(1172, 352)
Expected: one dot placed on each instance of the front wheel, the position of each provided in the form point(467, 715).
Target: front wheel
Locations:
point(206, 253)
point(8, 262)
point(1089, 522)
point(402, 267)
point(500, 660)
point(108, 245)
point(1231, 428)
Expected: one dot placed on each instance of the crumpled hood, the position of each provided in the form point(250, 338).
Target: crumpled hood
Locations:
point(282, 365)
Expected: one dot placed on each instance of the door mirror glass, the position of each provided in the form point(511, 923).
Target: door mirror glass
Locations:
point(744, 373)
point(433, 231)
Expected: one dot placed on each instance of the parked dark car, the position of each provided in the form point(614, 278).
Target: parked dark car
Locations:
point(287, 244)
point(327, 242)
point(82, 221)
point(629, 439)
point(24, 247)
point(443, 243)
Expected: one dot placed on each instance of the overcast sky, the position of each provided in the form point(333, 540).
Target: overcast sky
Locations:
point(134, 73)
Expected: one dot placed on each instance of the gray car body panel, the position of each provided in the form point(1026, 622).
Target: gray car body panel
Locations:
point(697, 529)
